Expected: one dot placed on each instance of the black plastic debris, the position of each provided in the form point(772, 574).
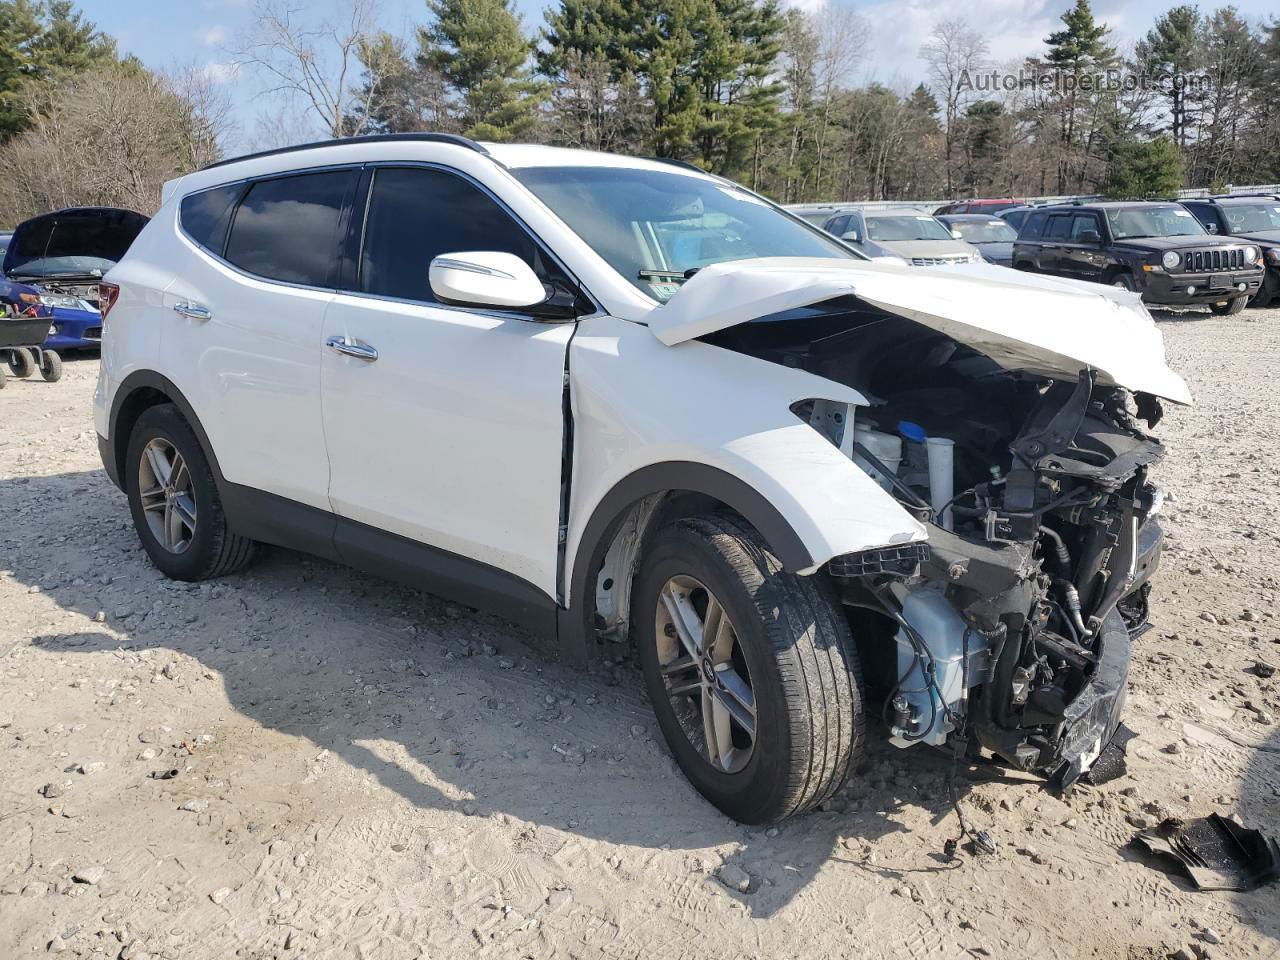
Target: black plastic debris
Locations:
point(1111, 762)
point(1216, 853)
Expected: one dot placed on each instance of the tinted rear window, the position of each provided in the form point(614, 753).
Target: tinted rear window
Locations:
point(287, 229)
point(206, 215)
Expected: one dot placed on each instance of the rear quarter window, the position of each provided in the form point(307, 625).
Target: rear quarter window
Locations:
point(287, 228)
point(206, 215)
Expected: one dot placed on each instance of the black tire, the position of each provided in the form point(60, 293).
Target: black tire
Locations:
point(795, 641)
point(4, 378)
point(214, 551)
point(50, 366)
point(1261, 300)
point(1230, 308)
point(22, 363)
point(1124, 280)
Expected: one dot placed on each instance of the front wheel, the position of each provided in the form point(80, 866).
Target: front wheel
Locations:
point(174, 501)
point(50, 366)
point(22, 363)
point(1230, 308)
point(1124, 281)
point(751, 670)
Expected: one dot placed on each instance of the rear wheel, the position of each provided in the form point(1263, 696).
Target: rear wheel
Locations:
point(751, 670)
point(174, 501)
point(1230, 307)
point(50, 366)
point(21, 362)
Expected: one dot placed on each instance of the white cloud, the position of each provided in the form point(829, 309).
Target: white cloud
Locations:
point(213, 36)
point(216, 72)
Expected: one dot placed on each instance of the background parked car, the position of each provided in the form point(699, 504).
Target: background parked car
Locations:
point(1015, 216)
point(976, 206)
point(4, 244)
point(1157, 249)
point(1255, 218)
point(992, 236)
point(918, 238)
point(64, 254)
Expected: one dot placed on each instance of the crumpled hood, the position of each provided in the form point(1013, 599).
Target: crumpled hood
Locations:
point(1022, 321)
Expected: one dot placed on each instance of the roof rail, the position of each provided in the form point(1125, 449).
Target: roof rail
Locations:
point(1232, 196)
point(371, 138)
point(681, 163)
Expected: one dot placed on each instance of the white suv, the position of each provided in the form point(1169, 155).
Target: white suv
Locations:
point(622, 401)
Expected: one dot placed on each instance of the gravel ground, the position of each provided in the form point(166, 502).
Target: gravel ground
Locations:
point(302, 761)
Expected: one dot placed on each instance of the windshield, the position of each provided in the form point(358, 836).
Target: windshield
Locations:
point(1129, 223)
point(906, 228)
point(72, 244)
point(657, 228)
point(985, 231)
point(1252, 217)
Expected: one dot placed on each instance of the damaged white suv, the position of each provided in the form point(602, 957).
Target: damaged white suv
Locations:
point(633, 406)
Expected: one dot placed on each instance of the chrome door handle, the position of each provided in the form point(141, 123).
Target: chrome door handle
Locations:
point(192, 310)
point(352, 348)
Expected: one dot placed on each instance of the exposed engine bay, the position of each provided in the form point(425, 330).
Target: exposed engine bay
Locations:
point(1009, 628)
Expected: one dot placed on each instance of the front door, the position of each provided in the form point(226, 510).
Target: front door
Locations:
point(444, 424)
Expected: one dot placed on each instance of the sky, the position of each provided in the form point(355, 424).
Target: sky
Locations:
point(169, 33)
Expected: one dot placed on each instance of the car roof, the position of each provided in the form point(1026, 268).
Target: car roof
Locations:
point(1106, 205)
point(1229, 201)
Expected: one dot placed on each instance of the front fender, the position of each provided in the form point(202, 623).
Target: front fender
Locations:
point(644, 409)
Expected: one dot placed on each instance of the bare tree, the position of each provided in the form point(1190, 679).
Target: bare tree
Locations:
point(318, 64)
point(842, 39)
point(211, 120)
point(954, 52)
point(134, 122)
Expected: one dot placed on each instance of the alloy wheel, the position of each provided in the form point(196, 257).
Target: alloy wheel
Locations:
point(705, 673)
point(168, 498)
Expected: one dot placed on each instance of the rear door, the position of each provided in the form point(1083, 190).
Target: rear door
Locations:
point(1081, 255)
point(245, 319)
point(448, 432)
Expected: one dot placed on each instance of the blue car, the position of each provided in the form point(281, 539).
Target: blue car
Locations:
point(63, 255)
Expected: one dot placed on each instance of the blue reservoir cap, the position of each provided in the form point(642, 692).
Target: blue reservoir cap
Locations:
point(912, 431)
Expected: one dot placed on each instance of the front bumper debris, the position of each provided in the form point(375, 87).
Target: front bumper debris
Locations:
point(1093, 717)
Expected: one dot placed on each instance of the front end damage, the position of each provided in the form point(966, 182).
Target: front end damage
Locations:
point(1009, 628)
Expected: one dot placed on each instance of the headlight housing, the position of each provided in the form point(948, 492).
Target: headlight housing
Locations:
point(1171, 259)
point(59, 300)
point(1250, 254)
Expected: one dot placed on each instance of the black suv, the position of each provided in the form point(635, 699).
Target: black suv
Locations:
point(1254, 218)
point(1157, 249)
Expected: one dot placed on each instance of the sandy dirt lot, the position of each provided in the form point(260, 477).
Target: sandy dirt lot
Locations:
point(303, 761)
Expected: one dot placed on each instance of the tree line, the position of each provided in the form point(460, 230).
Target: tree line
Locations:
point(742, 88)
point(82, 125)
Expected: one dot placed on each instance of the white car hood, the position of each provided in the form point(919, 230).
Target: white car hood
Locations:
point(1021, 321)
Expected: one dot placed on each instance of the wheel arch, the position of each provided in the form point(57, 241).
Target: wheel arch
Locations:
point(140, 391)
point(613, 539)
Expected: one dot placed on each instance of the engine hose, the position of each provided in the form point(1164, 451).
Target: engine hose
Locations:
point(1072, 599)
point(1059, 549)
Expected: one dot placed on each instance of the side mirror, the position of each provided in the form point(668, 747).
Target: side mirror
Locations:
point(851, 236)
point(485, 278)
point(957, 235)
point(1089, 236)
point(1211, 227)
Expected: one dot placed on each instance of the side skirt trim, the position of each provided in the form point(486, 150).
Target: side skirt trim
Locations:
point(296, 526)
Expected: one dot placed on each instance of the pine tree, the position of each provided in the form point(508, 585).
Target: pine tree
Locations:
point(38, 41)
point(1142, 171)
point(1078, 53)
point(480, 52)
point(1172, 53)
